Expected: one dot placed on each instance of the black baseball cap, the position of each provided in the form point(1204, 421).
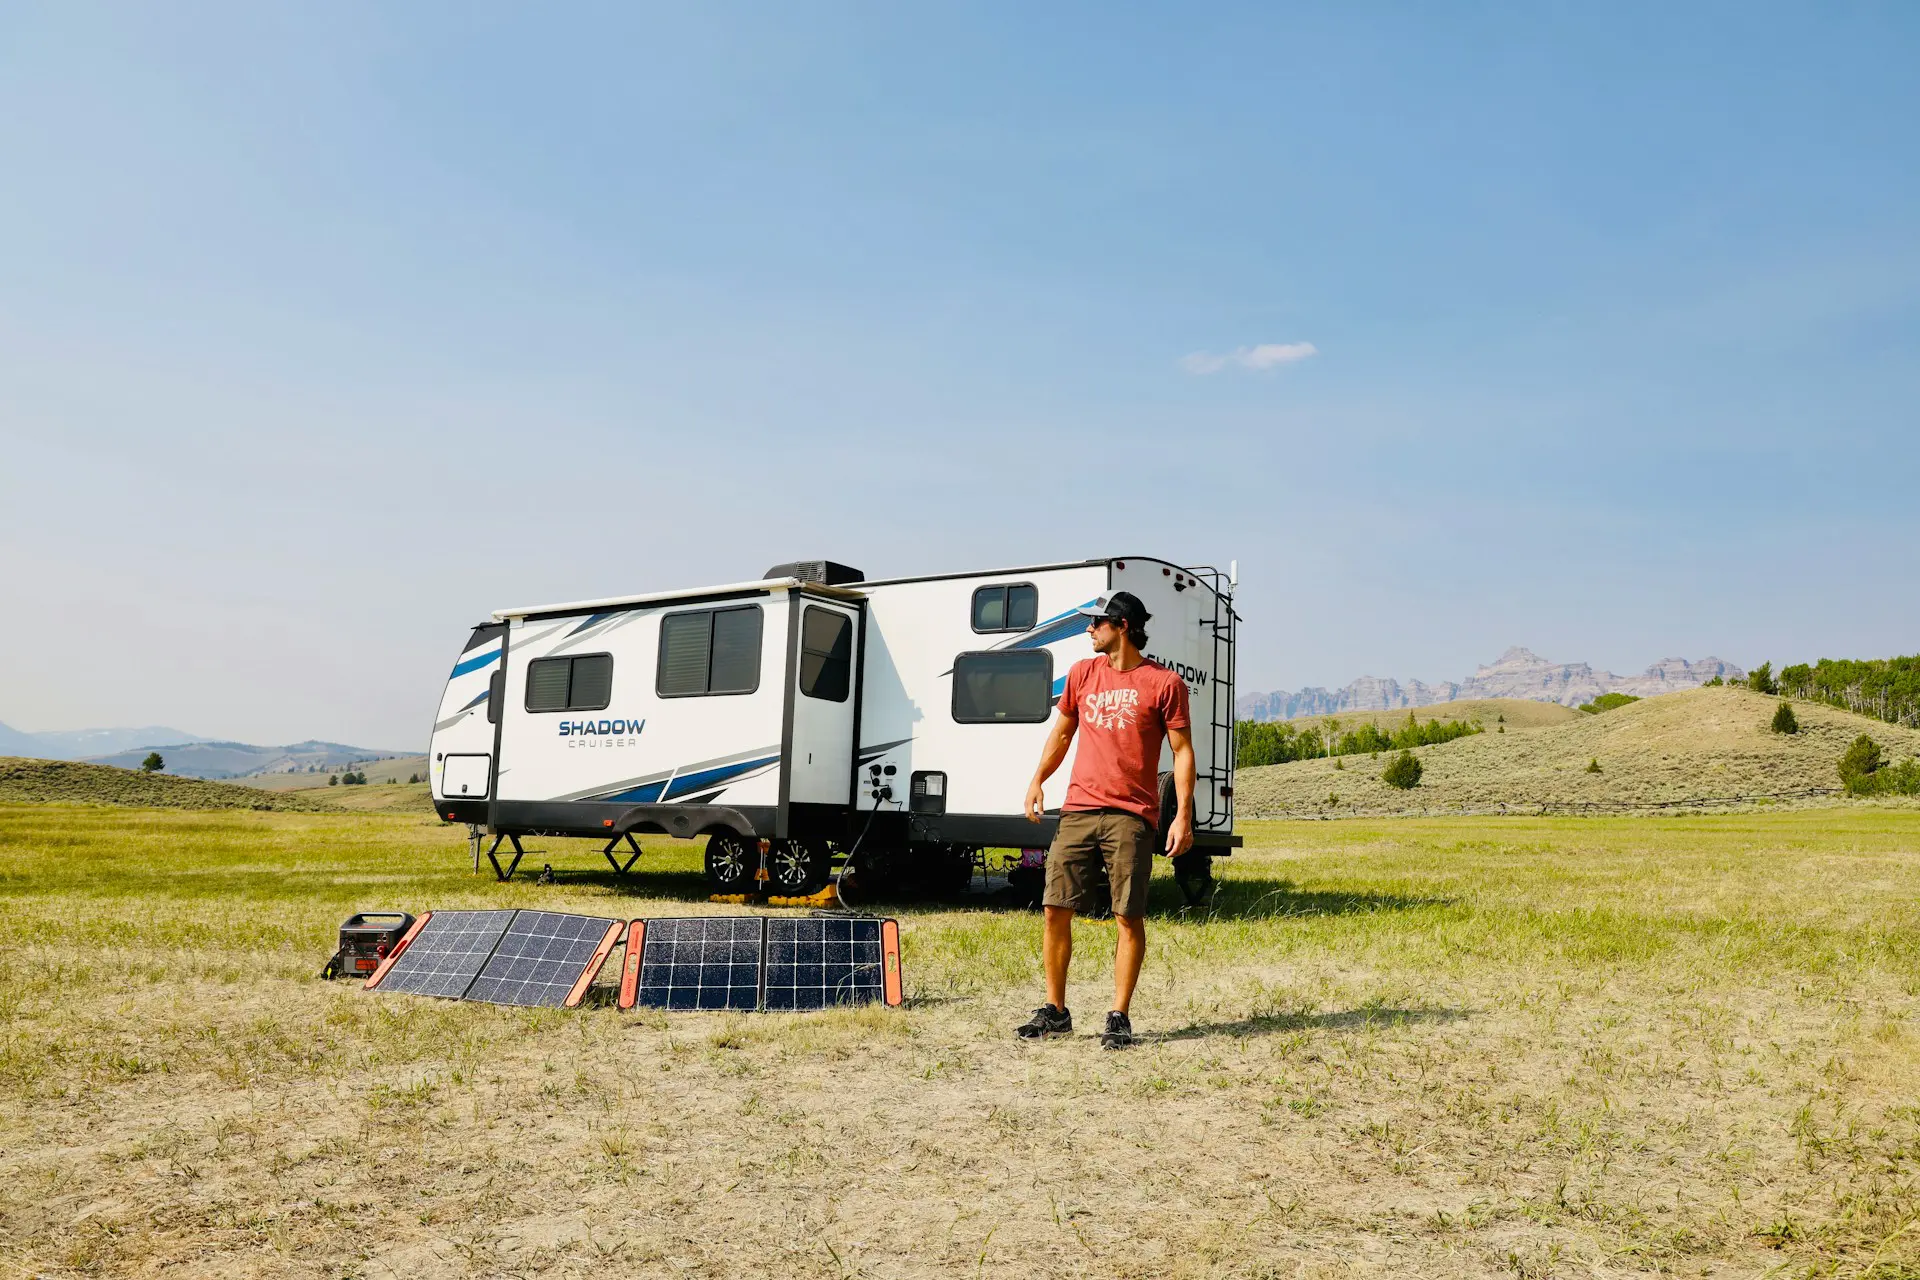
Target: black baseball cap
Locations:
point(1121, 606)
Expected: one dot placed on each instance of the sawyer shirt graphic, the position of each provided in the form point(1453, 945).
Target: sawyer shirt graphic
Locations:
point(1124, 718)
point(1110, 708)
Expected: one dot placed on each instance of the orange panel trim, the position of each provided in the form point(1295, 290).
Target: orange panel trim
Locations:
point(600, 954)
point(890, 959)
point(630, 966)
point(399, 949)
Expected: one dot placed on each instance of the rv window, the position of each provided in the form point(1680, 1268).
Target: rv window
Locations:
point(736, 650)
point(1004, 686)
point(709, 651)
point(579, 683)
point(1006, 608)
point(826, 654)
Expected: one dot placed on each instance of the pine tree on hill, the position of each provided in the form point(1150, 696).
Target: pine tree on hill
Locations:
point(1783, 719)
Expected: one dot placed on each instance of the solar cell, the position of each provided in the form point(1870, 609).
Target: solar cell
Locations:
point(817, 963)
point(443, 953)
point(701, 962)
point(545, 959)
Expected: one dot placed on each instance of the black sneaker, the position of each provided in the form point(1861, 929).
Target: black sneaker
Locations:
point(1046, 1023)
point(1119, 1032)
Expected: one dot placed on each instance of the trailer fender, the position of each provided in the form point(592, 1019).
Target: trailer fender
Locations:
point(683, 820)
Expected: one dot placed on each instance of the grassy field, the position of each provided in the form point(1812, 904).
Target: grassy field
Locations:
point(1702, 743)
point(1487, 1047)
point(399, 768)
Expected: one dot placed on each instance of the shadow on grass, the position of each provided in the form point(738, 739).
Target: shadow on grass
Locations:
point(1260, 898)
point(1233, 899)
point(1365, 1018)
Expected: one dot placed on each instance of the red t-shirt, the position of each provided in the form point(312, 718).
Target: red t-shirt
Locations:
point(1124, 717)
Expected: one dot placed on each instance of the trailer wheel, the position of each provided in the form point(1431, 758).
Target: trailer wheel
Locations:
point(797, 869)
point(731, 862)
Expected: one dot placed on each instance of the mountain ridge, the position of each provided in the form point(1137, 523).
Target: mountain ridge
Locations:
point(1517, 673)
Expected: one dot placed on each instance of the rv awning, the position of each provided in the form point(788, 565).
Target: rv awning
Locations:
point(667, 597)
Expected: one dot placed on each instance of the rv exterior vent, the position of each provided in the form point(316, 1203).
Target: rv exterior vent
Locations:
point(824, 571)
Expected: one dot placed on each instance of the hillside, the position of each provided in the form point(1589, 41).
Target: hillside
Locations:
point(1696, 745)
point(1517, 673)
point(399, 768)
point(24, 781)
point(244, 759)
point(1520, 713)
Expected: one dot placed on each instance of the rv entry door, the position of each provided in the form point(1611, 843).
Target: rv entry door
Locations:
point(820, 752)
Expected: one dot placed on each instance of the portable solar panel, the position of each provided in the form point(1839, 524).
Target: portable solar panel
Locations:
point(699, 962)
point(545, 959)
point(759, 962)
point(819, 963)
point(442, 954)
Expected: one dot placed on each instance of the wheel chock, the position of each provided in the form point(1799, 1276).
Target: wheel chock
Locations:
point(827, 897)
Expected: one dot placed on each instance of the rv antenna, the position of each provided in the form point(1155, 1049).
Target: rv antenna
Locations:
point(1233, 574)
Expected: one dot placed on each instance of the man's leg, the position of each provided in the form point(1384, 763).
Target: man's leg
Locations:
point(1056, 953)
point(1128, 950)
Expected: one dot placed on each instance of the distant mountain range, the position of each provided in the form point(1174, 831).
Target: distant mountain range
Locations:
point(186, 754)
point(1517, 673)
point(244, 760)
point(79, 744)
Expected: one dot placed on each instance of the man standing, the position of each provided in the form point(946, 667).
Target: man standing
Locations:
point(1122, 707)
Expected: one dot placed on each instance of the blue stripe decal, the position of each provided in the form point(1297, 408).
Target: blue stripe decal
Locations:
point(474, 664)
point(1048, 632)
point(644, 794)
point(477, 701)
point(596, 618)
point(711, 777)
point(1059, 687)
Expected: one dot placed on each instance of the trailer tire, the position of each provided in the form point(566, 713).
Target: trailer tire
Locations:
point(798, 868)
point(731, 863)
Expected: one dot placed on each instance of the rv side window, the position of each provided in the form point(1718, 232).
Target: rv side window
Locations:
point(1006, 608)
point(826, 654)
point(1003, 686)
point(582, 682)
point(709, 651)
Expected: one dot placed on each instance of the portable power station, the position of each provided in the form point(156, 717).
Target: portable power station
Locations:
point(365, 940)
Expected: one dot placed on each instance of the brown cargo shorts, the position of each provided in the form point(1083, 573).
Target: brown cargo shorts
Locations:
point(1085, 845)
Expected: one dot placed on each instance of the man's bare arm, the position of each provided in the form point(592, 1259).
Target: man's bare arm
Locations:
point(1059, 738)
point(1180, 834)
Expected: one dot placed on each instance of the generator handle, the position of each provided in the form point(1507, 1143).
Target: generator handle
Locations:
point(365, 917)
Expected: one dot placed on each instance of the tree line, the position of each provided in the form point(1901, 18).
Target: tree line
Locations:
point(1259, 742)
point(1884, 688)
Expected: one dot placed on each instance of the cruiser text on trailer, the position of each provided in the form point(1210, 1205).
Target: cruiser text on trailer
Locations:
point(816, 713)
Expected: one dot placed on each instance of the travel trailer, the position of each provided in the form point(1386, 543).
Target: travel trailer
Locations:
point(813, 719)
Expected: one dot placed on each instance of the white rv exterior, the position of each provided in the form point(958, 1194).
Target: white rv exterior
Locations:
point(902, 717)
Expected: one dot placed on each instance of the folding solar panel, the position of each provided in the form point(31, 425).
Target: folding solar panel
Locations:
point(545, 959)
point(694, 962)
point(759, 962)
point(442, 954)
point(816, 964)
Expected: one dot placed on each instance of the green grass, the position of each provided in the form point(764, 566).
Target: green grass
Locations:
point(1412, 1047)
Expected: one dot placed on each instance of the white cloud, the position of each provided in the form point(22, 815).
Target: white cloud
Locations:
point(1267, 355)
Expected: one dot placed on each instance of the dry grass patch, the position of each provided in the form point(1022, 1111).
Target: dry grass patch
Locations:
point(1450, 1047)
point(25, 781)
point(1680, 746)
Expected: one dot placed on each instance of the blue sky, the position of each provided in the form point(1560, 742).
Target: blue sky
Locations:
point(326, 329)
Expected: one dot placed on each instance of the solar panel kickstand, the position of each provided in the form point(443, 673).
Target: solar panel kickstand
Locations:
point(615, 844)
point(518, 853)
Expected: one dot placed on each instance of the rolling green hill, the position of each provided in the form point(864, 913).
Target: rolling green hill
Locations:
point(1701, 744)
point(24, 781)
